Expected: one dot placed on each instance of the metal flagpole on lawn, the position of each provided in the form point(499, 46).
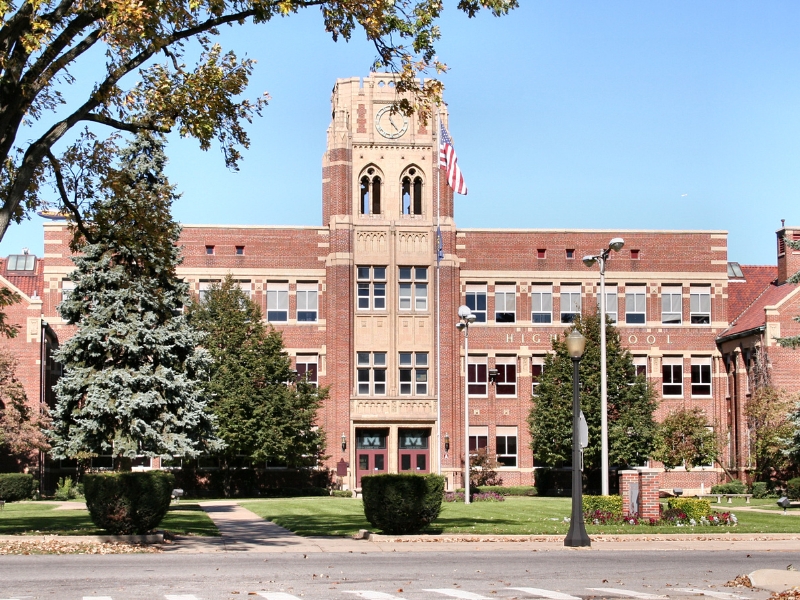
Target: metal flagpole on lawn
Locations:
point(438, 311)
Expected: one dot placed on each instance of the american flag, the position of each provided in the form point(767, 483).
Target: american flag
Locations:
point(449, 160)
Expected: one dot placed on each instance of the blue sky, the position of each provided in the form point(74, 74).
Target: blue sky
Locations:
point(565, 114)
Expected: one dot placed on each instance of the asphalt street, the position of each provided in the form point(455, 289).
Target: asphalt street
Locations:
point(472, 575)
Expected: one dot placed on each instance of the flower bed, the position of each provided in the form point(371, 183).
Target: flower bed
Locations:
point(671, 516)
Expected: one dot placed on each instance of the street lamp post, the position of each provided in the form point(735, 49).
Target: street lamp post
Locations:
point(616, 245)
point(466, 316)
point(576, 536)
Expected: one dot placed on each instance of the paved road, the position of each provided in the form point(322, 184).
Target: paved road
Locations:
point(380, 576)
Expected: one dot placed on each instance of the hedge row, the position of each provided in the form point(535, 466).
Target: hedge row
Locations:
point(16, 486)
point(199, 483)
point(605, 504)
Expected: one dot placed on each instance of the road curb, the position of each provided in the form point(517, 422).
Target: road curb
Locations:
point(665, 537)
point(151, 538)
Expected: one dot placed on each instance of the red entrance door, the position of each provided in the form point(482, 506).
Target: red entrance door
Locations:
point(414, 452)
point(371, 453)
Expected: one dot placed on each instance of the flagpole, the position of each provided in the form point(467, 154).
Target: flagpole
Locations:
point(438, 296)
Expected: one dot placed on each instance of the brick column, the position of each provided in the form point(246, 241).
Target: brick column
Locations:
point(629, 481)
point(650, 483)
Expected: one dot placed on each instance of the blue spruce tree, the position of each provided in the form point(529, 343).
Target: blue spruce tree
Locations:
point(131, 383)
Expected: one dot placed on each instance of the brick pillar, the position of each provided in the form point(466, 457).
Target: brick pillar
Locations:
point(629, 481)
point(650, 483)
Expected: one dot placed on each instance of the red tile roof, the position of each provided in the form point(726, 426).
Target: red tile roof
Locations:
point(743, 291)
point(27, 283)
point(753, 317)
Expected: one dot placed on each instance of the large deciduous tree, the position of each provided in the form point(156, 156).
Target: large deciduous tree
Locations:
point(631, 402)
point(685, 438)
point(132, 371)
point(263, 412)
point(20, 425)
point(144, 83)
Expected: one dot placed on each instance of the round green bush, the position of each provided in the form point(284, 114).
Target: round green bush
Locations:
point(793, 488)
point(128, 503)
point(16, 486)
point(735, 486)
point(398, 504)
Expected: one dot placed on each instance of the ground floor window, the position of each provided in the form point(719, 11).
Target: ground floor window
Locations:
point(506, 440)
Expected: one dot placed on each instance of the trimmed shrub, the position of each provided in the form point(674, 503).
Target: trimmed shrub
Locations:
point(512, 490)
point(16, 486)
point(342, 493)
point(734, 486)
point(291, 492)
point(66, 489)
point(760, 490)
point(611, 505)
point(693, 508)
point(398, 504)
point(793, 488)
point(127, 503)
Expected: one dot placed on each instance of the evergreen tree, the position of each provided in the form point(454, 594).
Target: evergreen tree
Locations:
point(631, 402)
point(262, 413)
point(131, 383)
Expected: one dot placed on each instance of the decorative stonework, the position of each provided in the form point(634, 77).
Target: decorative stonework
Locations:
point(371, 241)
point(406, 407)
point(414, 242)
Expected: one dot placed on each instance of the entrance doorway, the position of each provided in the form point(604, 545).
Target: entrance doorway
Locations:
point(371, 453)
point(414, 452)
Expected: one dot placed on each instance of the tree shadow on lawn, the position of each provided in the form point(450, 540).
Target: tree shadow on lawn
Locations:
point(188, 519)
point(464, 525)
point(324, 525)
point(75, 522)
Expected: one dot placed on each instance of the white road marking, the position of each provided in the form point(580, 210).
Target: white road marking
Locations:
point(713, 594)
point(630, 593)
point(373, 595)
point(545, 593)
point(459, 594)
point(97, 598)
point(179, 597)
point(277, 596)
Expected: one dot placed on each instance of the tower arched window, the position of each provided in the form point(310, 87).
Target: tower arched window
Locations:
point(370, 199)
point(411, 195)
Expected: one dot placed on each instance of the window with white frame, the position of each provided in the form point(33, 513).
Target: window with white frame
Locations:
point(413, 288)
point(671, 304)
point(537, 368)
point(700, 304)
point(710, 463)
point(570, 302)
point(277, 301)
point(506, 382)
point(478, 376)
point(205, 286)
point(306, 366)
point(701, 376)
point(21, 262)
point(672, 376)
point(414, 373)
point(640, 366)
point(371, 283)
point(505, 303)
point(611, 301)
point(307, 301)
point(371, 373)
point(478, 438)
point(67, 287)
point(542, 303)
point(506, 444)
point(476, 301)
point(635, 304)
point(246, 286)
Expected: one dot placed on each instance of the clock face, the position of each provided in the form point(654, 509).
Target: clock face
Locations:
point(390, 125)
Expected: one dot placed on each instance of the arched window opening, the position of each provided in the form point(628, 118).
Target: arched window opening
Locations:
point(365, 195)
point(376, 195)
point(411, 193)
point(417, 195)
point(370, 198)
point(406, 196)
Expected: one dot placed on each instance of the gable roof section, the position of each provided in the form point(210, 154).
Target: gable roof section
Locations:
point(27, 284)
point(742, 292)
point(754, 316)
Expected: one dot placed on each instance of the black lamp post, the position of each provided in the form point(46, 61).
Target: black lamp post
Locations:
point(577, 535)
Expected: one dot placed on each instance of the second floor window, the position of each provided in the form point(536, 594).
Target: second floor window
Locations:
point(671, 305)
point(413, 288)
point(306, 367)
point(700, 304)
point(371, 373)
point(476, 300)
point(570, 302)
point(477, 376)
point(414, 373)
point(277, 302)
point(506, 382)
point(611, 302)
point(701, 376)
point(505, 303)
point(371, 288)
point(537, 368)
point(635, 305)
point(672, 376)
point(307, 298)
point(640, 366)
point(541, 304)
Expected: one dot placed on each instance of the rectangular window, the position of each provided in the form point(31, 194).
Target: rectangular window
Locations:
point(672, 373)
point(371, 293)
point(210, 250)
point(21, 262)
point(277, 301)
point(537, 368)
point(478, 438)
point(246, 286)
point(611, 302)
point(541, 253)
point(478, 376)
point(635, 312)
point(414, 373)
point(307, 301)
point(306, 367)
point(414, 288)
point(671, 305)
point(701, 376)
point(640, 365)
point(506, 382)
point(239, 250)
point(371, 373)
point(506, 444)
point(66, 289)
point(570, 253)
point(476, 301)
point(541, 304)
point(505, 303)
point(700, 304)
point(635, 254)
point(570, 302)
point(205, 286)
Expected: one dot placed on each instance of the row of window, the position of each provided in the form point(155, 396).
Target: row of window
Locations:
point(410, 192)
point(412, 288)
point(505, 443)
point(371, 373)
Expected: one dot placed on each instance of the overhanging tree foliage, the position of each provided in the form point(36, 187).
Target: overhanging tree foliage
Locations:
point(263, 414)
point(20, 425)
point(132, 369)
point(684, 439)
point(631, 403)
point(144, 84)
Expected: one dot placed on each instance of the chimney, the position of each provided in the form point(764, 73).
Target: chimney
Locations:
point(788, 258)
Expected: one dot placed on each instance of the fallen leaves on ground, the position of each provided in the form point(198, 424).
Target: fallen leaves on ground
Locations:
point(791, 594)
point(66, 547)
point(740, 581)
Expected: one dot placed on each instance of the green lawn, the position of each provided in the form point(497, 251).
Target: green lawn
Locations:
point(33, 518)
point(515, 516)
